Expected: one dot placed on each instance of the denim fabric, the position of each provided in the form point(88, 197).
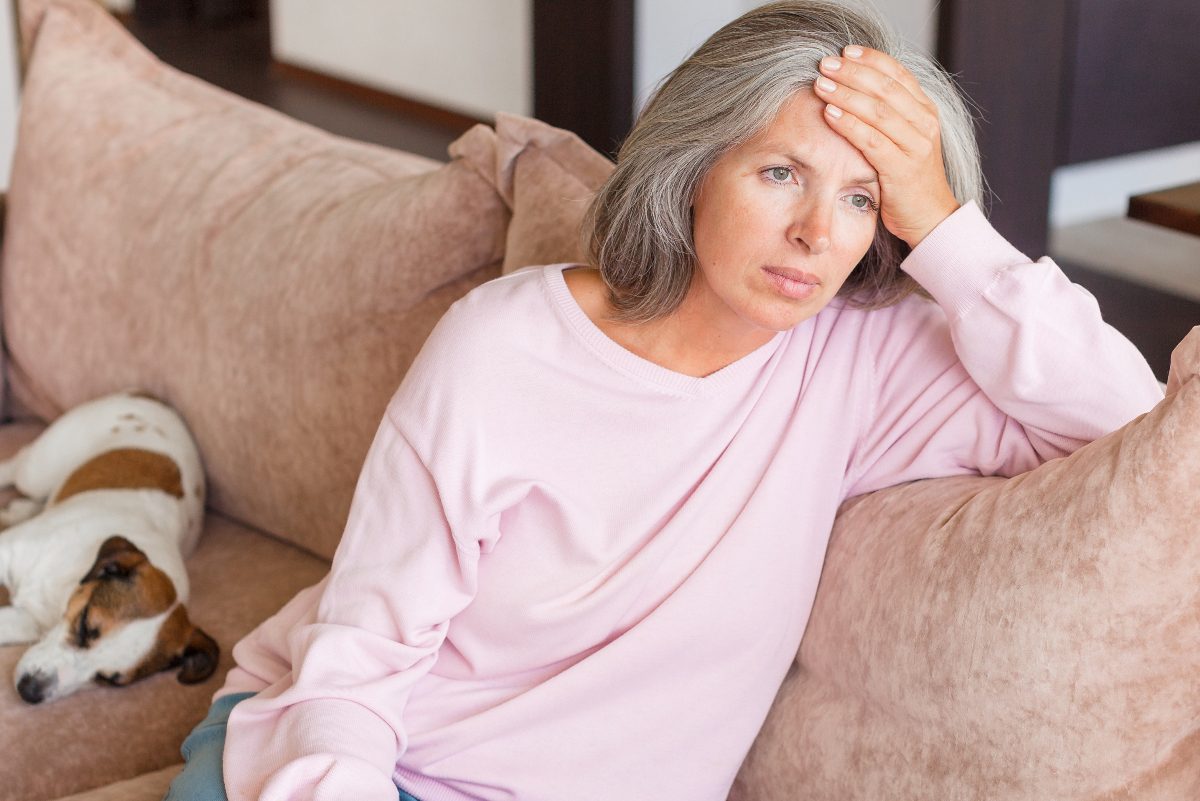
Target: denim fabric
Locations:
point(202, 778)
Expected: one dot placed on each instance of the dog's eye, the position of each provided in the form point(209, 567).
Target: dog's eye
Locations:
point(113, 570)
point(85, 634)
point(113, 679)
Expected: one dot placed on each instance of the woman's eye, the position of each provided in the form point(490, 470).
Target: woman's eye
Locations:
point(862, 202)
point(779, 174)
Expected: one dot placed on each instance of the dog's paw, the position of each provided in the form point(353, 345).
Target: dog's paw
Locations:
point(18, 511)
point(17, 626)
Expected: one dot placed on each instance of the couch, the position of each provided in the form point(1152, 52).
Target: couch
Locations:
point(973, 638)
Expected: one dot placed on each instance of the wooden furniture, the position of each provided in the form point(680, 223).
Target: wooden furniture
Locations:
point(1177, 208)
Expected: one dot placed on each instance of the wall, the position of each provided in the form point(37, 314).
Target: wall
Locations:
point(471, 56)
point(1098, 190)
point(8, 91)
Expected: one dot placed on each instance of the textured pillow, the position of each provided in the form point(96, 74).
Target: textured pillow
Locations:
point(1032, 638)
point(547, 176)
point(270, 280)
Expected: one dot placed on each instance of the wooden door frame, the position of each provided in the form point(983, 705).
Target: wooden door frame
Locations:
point(583, 68)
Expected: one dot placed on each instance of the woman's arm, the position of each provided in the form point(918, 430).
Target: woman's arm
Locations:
point(1016, 367)
point(1020, 368)
point(333, 727)
point(1033, 341)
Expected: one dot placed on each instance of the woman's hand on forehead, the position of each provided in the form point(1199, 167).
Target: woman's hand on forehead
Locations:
point(879, 107)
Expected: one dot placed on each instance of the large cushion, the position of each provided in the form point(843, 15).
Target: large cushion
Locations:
point(102, 735)
point(1023, 639)
point(547, 177)
point(270, 280)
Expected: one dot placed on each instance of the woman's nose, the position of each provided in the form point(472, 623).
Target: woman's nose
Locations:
point(813, 226)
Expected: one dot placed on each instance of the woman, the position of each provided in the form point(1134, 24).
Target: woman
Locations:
point(587, 537)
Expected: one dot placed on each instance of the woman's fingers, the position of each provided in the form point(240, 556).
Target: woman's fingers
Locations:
point(879, 148)
point(882, 100)
point(879, 107)
point(887, 65)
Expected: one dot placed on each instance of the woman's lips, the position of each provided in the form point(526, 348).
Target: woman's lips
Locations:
point(794, 284)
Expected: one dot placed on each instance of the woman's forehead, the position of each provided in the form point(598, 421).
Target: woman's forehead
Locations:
point(800, 134)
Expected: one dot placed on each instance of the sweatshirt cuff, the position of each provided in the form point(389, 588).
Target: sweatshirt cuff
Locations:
point(333, 726)
point(957, 261)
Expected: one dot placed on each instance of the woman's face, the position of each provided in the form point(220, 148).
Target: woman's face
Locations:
point(779, 223)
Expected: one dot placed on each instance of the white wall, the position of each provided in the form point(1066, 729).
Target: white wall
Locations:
point(471, 56)
point(476, 56)
point(1098, 190)
point(8, 91)
point(667, 31)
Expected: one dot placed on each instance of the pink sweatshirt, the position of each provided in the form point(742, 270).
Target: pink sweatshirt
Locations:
point(572, 574)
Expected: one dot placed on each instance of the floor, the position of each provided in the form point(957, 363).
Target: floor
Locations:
point(1146, 281)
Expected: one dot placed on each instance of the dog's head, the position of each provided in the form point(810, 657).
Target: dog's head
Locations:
point(122, 623)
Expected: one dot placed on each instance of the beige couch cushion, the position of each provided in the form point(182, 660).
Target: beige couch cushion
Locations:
point(272, 281)
point(1024, 639)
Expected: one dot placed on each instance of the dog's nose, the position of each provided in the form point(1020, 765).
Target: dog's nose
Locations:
point(33, 687)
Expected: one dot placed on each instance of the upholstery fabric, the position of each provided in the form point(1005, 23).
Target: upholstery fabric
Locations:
point(106, 734)
point(547, 176)
point(147, 787)
point(4, 406)
point(269, 280)
point(1029, 638)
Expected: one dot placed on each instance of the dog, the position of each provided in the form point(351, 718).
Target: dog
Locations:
point(93, 555)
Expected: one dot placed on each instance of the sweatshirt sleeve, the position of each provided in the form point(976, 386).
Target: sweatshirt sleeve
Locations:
point(332, 727)
point(1012, 367)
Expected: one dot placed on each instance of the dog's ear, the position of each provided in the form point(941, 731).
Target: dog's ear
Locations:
point(198, 659)
point(117, 558)
point(179, 645)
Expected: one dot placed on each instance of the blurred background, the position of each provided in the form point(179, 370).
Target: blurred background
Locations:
point(1083, 104)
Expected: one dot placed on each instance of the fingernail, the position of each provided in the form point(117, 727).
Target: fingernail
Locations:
point(831, 63)
point(853, 51)
point(826, 85)
point(833, 111)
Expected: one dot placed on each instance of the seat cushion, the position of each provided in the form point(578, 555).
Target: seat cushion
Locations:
point(268, 279)
point(106, 734)
point(1010, 639)
point(148, 787)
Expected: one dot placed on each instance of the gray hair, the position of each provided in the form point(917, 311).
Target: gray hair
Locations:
point(638, 228)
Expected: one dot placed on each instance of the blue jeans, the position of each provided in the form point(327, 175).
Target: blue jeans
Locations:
point(202, 778)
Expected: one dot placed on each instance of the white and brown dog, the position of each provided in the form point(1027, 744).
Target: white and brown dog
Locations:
point(114, 495)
